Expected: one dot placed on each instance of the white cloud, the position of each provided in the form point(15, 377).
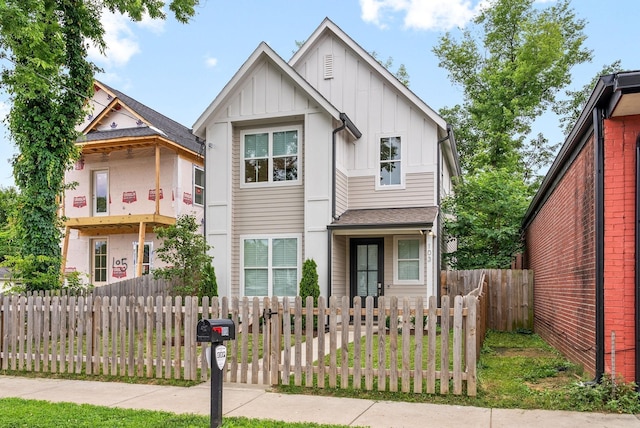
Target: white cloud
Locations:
point(421, 14)
point(210, 61)
point(120, 39)
point(156, 26)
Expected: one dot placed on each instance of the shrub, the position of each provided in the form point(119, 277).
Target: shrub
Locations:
point(184, 250)
point(309, 286)
point(309, 283)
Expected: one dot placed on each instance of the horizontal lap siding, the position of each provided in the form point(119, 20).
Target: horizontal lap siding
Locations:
point(418, 192)
point(263, 210)
point(560, 245)
point(342, 197)
point(340, 267)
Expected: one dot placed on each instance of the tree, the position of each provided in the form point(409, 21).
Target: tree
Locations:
point(48, 81)
point(8, 208)
point(509, 77)
point(510, 73)
point(184, 250)
point(569, 109)
point(401, 73)
point(488, 210)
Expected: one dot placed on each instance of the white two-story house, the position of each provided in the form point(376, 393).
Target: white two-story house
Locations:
point(138, 170)
point(326, 157)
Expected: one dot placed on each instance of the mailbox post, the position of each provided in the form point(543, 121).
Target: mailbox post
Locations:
point(216, 331)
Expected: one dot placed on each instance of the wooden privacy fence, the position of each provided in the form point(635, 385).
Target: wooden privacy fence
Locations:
point(509, 295)
point(394, 347)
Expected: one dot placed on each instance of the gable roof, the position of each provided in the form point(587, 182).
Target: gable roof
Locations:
point(328, 26)
point(154, 123)
point(263, 51)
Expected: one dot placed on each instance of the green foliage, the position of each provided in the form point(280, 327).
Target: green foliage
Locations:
point(8, 212)
point(48, 80)
point(485, 217)
point(309, 285)
point(18, 412)
point(510, 75)
point(607, 395)
point(401, 73)
point(184, 250)
point(77, 282)
point(209, 282)
point(32, 273)
point(510, 66)
point(569, 109)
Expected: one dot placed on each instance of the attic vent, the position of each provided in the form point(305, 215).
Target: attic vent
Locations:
point(328, 66)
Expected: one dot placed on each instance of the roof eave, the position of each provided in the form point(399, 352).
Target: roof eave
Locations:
point(262, 50)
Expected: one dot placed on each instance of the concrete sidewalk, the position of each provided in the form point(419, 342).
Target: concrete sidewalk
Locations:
point(258, 402)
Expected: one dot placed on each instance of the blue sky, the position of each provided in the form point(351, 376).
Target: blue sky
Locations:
point(178, 69)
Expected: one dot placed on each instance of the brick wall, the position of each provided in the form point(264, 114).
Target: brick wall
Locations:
point(619, 242)
point(560, 248)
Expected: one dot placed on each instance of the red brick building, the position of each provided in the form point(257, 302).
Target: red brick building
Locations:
point(581, 236)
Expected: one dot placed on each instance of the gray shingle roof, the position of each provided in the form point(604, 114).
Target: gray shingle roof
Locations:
point(172, 130)
point(387, 217)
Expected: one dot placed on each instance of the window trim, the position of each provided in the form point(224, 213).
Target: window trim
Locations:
point(270, 130)
point(196, 186)
point(94, 191)
point(403, 165)
point(421, 260)
point(270, 238)
point(135, 257)
point(92, 246)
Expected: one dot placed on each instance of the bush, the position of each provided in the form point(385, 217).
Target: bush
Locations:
point(309, 286)
point(209, 282)
point(607, 395)
point(184, 250)
point(309, 283)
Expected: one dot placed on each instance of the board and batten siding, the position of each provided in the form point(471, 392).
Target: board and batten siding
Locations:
point(418, 192)
point(262, 210)
point(267, 90)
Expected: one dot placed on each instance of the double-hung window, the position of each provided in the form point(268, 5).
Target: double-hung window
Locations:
point(390, 161)
point(270, 156)
point(270, 265)
point(198, 185)
point(409, 260)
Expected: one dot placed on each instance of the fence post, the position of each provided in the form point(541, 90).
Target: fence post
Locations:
point(471, 302)
point(275, 342)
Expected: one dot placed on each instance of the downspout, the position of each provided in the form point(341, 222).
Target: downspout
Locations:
point(346, 123)
point(333, 203)
point(440, 217)
point(598, 138)
point(637, 263)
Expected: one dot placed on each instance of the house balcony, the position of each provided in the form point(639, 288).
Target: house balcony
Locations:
point(118, 224)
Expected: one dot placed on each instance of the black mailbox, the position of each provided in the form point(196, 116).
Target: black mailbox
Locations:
point(215, 330)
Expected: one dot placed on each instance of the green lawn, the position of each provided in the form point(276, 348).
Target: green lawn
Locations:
point(17, 412)
point(517, 370)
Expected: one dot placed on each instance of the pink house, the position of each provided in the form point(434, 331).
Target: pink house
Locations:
point(138, 170)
